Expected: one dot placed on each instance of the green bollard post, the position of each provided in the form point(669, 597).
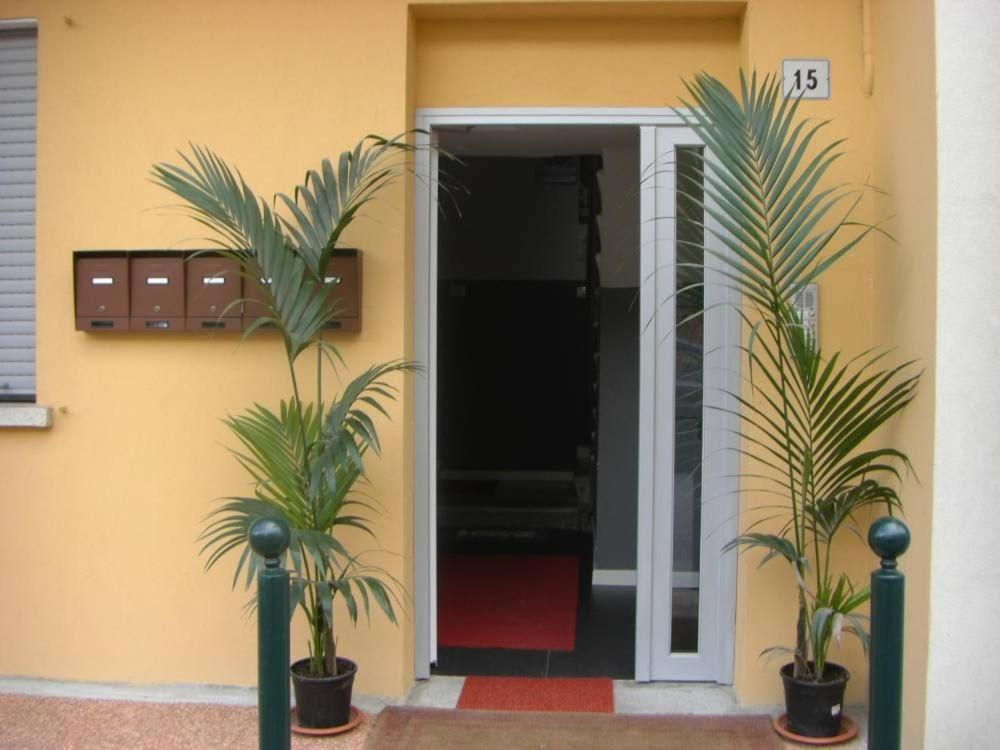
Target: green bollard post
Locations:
point(269, 538)
point(889, 538)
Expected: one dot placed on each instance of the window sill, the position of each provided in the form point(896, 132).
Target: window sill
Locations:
point(29, 416)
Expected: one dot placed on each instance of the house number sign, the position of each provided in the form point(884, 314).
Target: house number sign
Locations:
point(808, 79)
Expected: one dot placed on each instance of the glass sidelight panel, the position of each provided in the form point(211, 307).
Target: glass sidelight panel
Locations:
point(688, 401)
point(688, 453)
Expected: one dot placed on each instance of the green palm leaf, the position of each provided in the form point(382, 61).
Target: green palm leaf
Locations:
point(329, 199)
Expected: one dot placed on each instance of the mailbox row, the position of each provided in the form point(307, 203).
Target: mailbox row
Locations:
point(171, 291)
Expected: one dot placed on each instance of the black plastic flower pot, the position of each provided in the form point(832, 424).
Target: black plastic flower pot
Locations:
point(323, 702)
point(814, 708)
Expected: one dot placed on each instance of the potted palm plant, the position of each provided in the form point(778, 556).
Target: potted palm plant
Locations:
point(809, 420)
point(305, 457)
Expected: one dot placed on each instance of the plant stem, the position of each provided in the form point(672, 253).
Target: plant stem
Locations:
point(319, 371)
point(802, 627)
point(778, 316)
point(330, 649)
point(317, 623)
point(802, 638)
point(315, 633)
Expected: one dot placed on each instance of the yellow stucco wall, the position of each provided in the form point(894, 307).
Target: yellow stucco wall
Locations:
point(905, 166)
point(107, 504)
point(568, 63)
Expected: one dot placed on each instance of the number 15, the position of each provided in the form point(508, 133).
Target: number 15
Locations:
point(811, 81)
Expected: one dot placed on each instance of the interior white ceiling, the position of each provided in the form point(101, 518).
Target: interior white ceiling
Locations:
point(536, 140)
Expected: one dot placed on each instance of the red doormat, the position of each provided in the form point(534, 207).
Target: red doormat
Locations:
point(508, 601)
point(576, 694)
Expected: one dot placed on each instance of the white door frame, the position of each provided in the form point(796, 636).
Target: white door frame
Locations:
point(654, 491)
point(719, 493)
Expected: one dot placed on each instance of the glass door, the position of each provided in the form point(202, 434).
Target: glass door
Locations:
point(689, 358)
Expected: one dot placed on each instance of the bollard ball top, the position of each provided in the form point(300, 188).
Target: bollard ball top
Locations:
point(888, 537)
point(269, 537)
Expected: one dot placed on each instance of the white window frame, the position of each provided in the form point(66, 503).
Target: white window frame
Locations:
point(17, 413)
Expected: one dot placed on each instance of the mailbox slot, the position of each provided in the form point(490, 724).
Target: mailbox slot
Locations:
point(102, 293)
point(214, 290)
point(157, 298)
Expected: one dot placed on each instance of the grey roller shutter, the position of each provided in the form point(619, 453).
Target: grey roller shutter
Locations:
point(18, 97)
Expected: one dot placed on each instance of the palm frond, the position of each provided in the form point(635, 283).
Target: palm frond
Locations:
point(808, 422)
point(285, 259)
point(329, 198)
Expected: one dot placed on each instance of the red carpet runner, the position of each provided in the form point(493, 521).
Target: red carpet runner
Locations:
point(591, 694)
point(507, 601)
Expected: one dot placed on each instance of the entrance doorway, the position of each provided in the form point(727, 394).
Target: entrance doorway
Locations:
point(537, 402)
point(571, 476)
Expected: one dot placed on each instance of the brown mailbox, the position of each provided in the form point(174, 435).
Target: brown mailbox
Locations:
point(214, 290)
point(343, 277)
point(102, 292)
point(157, 298)
point(252, 307)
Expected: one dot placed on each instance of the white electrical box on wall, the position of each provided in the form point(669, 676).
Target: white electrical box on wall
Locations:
point(806, 304)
